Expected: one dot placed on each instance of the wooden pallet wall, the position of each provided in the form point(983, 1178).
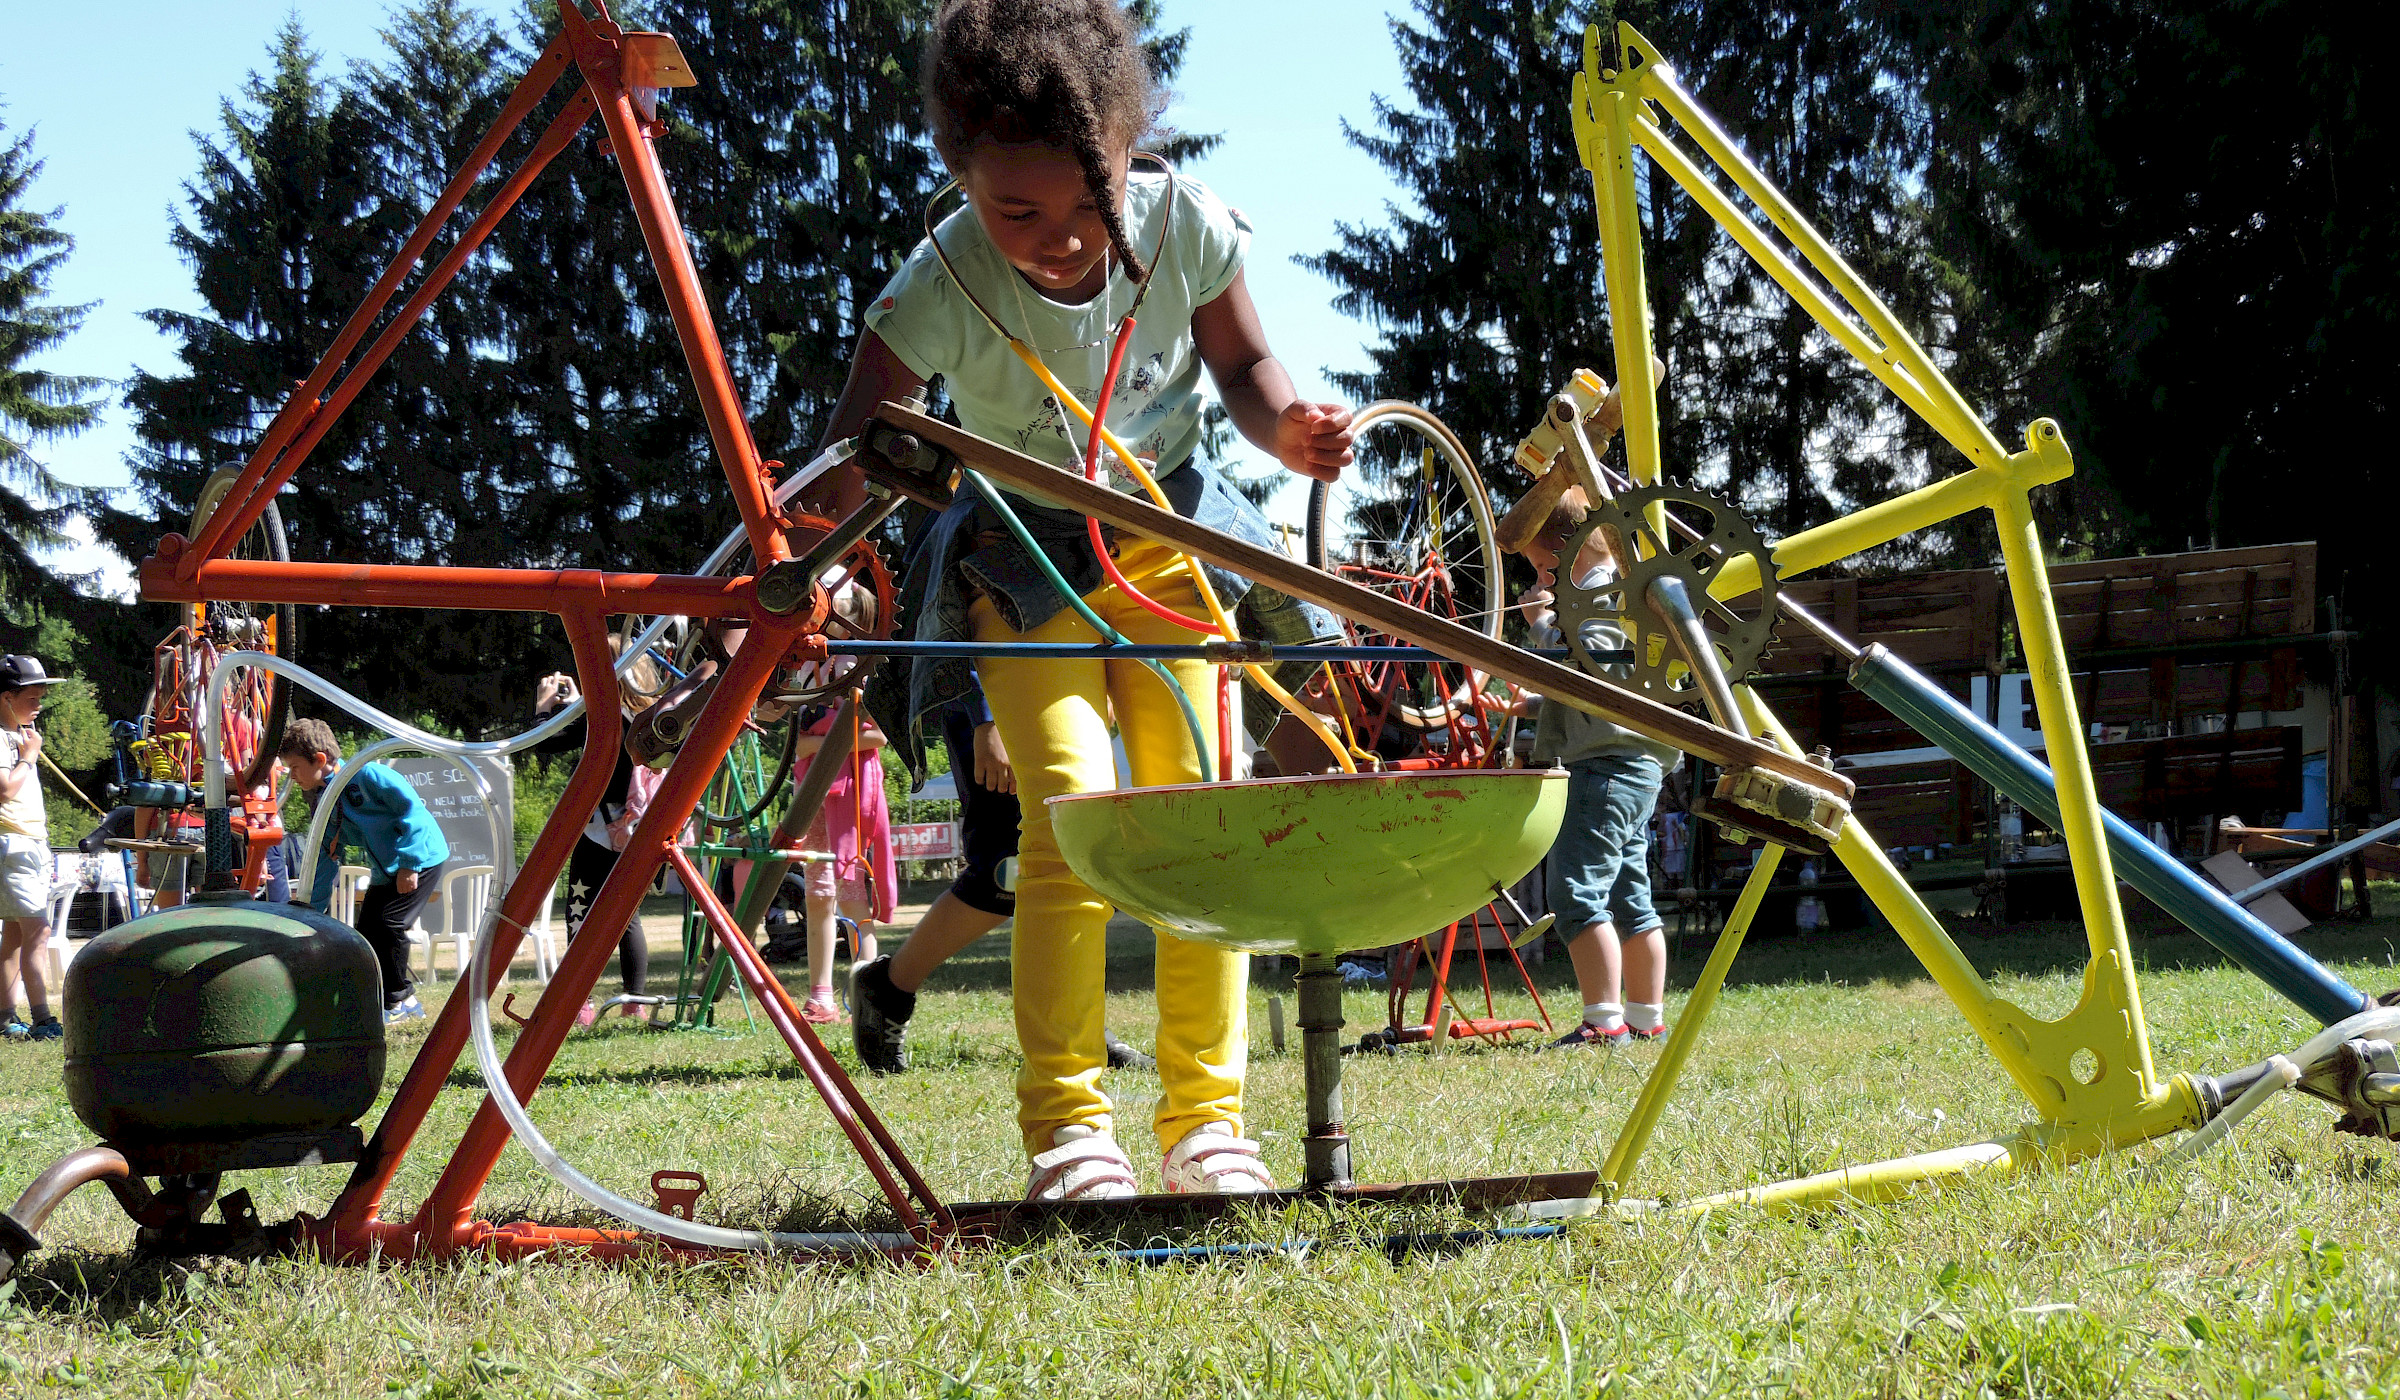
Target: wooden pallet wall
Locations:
point(2155, 640)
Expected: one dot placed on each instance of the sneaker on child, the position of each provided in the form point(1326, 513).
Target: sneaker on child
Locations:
point(408, 1009)
point(47, 1028)
point(1123, 1056)
point(879, 1015)
point(1083, 1164)
point(1210, 1160)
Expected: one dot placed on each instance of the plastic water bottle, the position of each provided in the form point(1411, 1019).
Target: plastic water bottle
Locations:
point(1809, 914)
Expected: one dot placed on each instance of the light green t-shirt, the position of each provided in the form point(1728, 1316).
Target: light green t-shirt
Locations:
point(934, 330)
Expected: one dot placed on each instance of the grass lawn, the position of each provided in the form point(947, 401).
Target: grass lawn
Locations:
point(2267, 1268)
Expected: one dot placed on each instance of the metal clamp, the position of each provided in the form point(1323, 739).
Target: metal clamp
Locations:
point(679, 1199)
point(2362, 1078)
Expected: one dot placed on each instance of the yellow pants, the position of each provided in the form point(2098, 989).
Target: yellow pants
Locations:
point(1053, 716)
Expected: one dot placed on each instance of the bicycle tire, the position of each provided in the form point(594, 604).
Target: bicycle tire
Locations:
point(281, 626)
point(1465, 512)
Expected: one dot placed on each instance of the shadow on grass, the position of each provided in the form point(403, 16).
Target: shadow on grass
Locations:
point(141, 1291)
point(1868, 957)
point(777, 1203)
point(1877, 957)
point(1848, 958)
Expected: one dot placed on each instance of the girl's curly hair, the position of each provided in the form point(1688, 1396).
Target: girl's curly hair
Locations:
point(1068, 73)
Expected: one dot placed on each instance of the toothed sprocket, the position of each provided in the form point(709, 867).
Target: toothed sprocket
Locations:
point(1741, 630)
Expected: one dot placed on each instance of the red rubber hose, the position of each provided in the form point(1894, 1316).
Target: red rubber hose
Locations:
point(1091, 472)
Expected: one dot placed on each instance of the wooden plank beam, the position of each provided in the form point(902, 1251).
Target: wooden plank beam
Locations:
point(1286, 574)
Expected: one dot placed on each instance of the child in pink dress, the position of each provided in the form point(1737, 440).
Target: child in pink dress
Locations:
point(861, 882)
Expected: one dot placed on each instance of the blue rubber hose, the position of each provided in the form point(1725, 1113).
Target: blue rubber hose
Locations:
point(2196, 904)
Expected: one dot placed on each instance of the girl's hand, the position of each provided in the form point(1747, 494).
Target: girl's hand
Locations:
point(555, 693)
point(992, 768)
point(1313, 439)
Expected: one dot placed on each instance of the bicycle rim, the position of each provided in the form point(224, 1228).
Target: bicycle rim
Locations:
point(1421, 531)
point(257, 705)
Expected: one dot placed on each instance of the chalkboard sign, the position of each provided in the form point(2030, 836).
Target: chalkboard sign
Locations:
point(458, 809)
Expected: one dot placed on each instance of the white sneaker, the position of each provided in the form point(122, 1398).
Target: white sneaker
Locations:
point(1210, 1160)
point(1085, 1164)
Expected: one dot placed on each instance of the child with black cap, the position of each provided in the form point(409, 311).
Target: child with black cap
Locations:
point(25, 863)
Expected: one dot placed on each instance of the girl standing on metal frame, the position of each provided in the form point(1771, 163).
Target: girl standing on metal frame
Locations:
point(1037, 106)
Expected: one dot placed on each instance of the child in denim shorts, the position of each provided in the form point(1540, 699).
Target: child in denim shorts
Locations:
point(1599, 874)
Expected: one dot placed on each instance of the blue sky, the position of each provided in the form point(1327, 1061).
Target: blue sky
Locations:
point(114, 103)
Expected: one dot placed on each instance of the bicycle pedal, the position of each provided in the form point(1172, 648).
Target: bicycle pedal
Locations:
point(1774, 808)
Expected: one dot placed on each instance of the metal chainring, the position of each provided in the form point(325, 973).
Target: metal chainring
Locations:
point(812, 682)
point(1658, 670)
point(879, 612)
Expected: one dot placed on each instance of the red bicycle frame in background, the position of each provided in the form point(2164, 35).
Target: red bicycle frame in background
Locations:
point(1373, 693)
point(622, 75)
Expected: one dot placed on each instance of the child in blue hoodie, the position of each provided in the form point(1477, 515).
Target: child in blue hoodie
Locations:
point(404, 848)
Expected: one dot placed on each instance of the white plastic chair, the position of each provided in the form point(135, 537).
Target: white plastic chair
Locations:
point(462, 915)
point(544, 936)
point(66, 879)
point(541, 932)
point(348, 883)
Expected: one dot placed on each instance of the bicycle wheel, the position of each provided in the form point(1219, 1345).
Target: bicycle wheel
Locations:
point(257, 704)
point(1420, 530)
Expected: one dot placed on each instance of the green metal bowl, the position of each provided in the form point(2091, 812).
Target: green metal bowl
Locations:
point(1312, 865)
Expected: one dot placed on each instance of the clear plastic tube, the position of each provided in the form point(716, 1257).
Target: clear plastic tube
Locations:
point(487, 1055)
point(504, 1098)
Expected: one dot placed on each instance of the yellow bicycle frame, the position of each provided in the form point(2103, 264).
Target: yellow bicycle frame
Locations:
point(2088, 1074)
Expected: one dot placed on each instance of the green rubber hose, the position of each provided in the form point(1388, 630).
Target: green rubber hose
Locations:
point(1041, 560)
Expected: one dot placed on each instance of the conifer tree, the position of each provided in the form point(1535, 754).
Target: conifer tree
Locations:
point(279, 255)
point(429, 482)
point(1778, 416)
point(807, 170)
point(439, 453)
point(280, 250)
point(541, 414)
point(1488, 292)
point(2204, 300)
point(35, 404)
